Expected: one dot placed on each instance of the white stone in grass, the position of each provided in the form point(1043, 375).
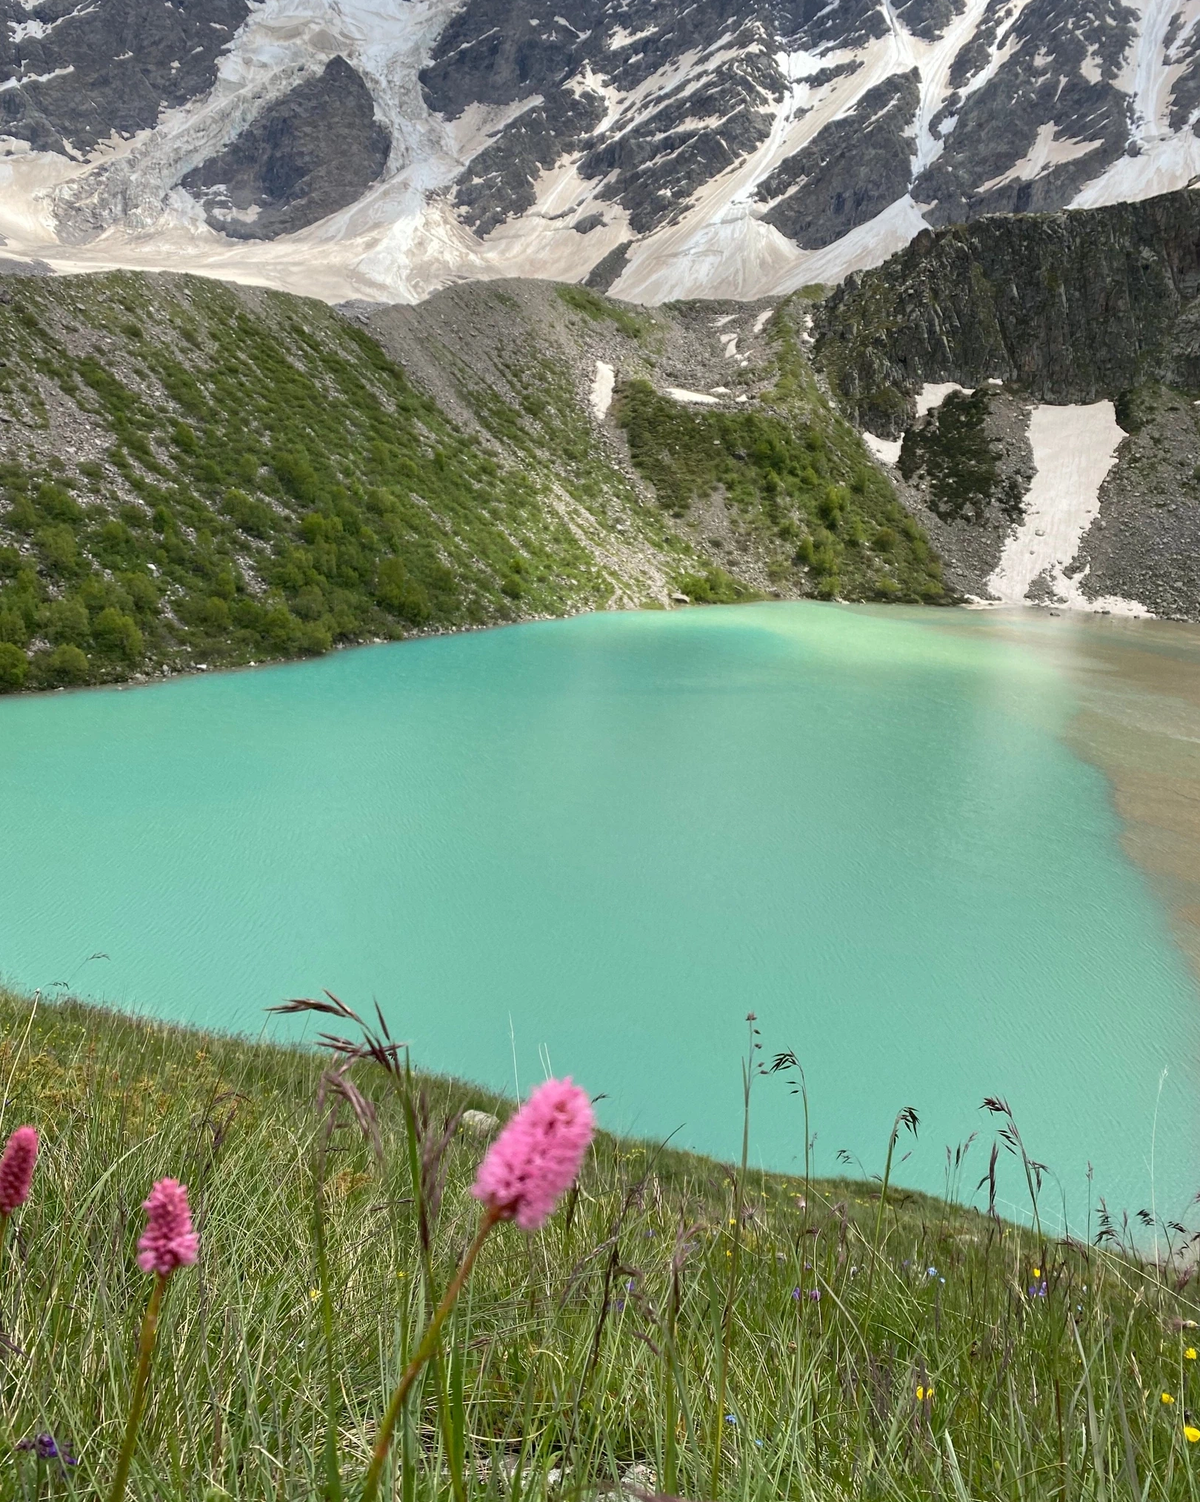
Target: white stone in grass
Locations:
point(480, 1123)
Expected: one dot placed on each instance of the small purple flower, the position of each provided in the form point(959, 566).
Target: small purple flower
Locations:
point(814, 1294)
point(795, 1293)
point(1038, 1290)
point(46, 1447)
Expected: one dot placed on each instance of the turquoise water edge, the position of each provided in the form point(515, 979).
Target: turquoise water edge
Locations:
point(592, 846)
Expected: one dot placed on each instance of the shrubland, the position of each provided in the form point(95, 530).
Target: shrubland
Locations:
point(199, 475)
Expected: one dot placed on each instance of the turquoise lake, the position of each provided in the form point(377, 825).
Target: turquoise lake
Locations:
point(592, 846)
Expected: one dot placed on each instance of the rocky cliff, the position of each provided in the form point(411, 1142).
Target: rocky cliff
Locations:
point(1070, 307)
point(1042, 318)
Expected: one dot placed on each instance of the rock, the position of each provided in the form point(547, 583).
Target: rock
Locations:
point(479, 1123)
point(858, 165)
point(1070, 307)
point(307, 155)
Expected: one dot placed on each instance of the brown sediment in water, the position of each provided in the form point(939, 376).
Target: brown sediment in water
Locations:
point(1138, 721)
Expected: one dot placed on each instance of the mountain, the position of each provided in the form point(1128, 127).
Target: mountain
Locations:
point(382, 149)
point(1034, 381)
point(194, 474)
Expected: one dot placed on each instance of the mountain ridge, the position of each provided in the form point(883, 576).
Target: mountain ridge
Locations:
point(715, 150)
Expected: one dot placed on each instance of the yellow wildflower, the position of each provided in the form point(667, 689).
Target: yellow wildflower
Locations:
point(1167, 1399)
point(923, 1393)
point(1191, 1433)
point(1037, 1272)
point(314, 1293)
point(1190, 1353)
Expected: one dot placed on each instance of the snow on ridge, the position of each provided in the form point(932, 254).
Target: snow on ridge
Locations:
point(887, 450)
point(934, 393)
point(694, 398)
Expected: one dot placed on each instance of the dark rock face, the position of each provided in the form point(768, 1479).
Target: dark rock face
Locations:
point(1059, 76)
point(1145, 544)
point(85, 71)
point(656, 153)
point(1069, 307)
point(307, 155)
point(850, 172)
point(605, 272)
point(500, 181)
point(1035, 110)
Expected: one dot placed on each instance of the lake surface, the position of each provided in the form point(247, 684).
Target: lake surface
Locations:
point(941, 855)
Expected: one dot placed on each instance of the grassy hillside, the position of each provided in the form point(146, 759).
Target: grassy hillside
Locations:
point(198, 474)
point(907, 1349)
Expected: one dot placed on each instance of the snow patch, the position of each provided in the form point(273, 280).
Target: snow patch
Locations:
point(602, 389)
point(932, 395)
point(1073, 451)
point(1045, 153)
point(679, 394)
point(887, 450)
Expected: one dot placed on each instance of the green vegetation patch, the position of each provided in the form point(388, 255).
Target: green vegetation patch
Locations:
point(958, 461)
point(583, 300)
point(791, 473)
point(265, 483)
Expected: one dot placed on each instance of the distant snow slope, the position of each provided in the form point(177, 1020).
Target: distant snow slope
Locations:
point(661, 149)
point(1073, 451)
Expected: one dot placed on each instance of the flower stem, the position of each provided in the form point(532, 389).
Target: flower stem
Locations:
point(424, 1351)
point(140, 1381)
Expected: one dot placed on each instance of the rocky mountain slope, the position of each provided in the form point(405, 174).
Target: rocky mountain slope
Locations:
point(386, 148)
point(1016, 367)
point(193, 474)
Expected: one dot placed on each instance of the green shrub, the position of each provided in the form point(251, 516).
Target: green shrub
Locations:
point(67, 622)
point(64, 667)
point(14, 668)
point(400, 592)
point(117, 634)
point(714, 587)
point(13, 629)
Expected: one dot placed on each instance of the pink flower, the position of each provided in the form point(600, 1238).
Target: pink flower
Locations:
point(169, 1241)
point(536, 1157)
point(16, 1168)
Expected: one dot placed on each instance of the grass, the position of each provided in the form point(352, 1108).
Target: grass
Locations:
point(869, 1346)
point(592, 305)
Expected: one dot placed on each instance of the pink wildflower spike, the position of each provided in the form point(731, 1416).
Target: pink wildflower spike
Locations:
point(169, 1241)
point(538, 1154)
point(16, 1168)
